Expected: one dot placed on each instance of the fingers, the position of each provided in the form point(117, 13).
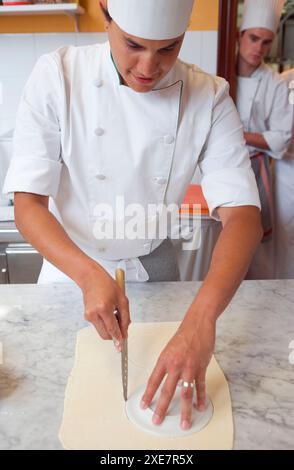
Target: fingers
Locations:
point(201, 391)
point(101, 330)
point(187, 402)
point(109, 325)
point(106, 324)
point(166, 395)
point(154, 381)
point(112, 326)
point(103, 333)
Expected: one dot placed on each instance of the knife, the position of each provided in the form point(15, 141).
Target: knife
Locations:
point(120, 279)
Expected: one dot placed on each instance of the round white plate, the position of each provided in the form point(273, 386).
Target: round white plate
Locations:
point(170, 427)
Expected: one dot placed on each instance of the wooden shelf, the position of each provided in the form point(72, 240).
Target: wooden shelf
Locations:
point(69, 9)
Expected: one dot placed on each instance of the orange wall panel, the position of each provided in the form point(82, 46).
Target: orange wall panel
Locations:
point(204, 17)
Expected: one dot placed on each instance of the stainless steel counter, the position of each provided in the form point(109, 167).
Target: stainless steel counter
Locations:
point(20, 263)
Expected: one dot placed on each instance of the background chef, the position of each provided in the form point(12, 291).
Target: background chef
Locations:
point(284, 202)
point(127, 118)
point(262, 102)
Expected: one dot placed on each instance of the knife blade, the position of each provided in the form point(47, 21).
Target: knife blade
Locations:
point(120, 279)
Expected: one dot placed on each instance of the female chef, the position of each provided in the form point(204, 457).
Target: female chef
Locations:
point(127, 120)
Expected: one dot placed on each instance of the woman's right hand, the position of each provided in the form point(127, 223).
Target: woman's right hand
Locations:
point(102, 297)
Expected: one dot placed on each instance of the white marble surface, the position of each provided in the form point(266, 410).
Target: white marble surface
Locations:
point(38, 326)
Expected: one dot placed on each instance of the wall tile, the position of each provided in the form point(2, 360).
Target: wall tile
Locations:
point(45, 43)
point(209, 52)
point(6, 123)
point(83, 39)
point(17, 54)
point(12, 90)
point(191, 48)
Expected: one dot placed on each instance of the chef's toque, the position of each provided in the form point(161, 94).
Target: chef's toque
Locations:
point(262, 14)
point(152, 19)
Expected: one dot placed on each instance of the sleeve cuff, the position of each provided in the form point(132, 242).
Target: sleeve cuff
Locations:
point(32, 175)
point(230, 187)
point(278, 142)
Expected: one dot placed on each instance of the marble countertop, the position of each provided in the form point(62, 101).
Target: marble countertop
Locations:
point(38, 326)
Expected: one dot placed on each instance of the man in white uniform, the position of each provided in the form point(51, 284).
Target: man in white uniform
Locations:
point(128, 119)
point(262, 102)
point(284, 202)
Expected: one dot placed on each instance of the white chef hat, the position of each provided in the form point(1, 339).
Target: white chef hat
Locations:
point(152, 19)
point(262, 14)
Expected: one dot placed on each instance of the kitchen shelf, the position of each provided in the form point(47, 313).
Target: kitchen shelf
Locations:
point(69, 9)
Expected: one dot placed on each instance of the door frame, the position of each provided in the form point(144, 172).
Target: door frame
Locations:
point(227, 35)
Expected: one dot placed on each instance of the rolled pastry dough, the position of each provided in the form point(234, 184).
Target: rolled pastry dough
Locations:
point(94, 415)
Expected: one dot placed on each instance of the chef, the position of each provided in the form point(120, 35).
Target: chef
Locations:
point(284, 202)
point(128, 120)
point(262, 102)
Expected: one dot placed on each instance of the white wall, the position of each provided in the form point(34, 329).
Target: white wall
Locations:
point(19, 52)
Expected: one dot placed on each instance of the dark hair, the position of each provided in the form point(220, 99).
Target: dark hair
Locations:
point(106, 13)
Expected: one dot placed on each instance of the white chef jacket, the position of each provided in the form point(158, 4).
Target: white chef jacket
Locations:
point(284, 203)
point(83, 138)
point(264, 108)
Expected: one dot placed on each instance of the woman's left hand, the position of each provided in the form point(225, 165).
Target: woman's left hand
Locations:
point(185, 358)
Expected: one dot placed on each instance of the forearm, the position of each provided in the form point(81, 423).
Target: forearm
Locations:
point(231, 258)
point(256, 140)
point(43, 231)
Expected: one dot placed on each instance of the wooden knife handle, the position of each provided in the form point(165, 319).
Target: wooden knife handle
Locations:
point(120, 278)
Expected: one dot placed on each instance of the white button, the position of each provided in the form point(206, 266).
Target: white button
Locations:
point(99, 131)
point(160, 180)
point(169, 139)
point(98, 83)
point(101, 177)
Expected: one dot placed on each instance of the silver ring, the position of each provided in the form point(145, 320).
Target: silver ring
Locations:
point(187, 384)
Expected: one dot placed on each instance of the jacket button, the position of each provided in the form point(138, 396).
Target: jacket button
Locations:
point(100, 177)
point(169, 139)
point(99, 131)
point(98, 83)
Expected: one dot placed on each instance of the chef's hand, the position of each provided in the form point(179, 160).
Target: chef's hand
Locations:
point(102, 297)
point(186, 357)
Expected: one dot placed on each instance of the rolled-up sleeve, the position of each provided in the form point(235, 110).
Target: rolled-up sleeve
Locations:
point(227, 177)
point(36, 159)
point(279, 133)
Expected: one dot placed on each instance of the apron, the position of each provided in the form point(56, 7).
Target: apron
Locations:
point(261, 166)
point(160, 265)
